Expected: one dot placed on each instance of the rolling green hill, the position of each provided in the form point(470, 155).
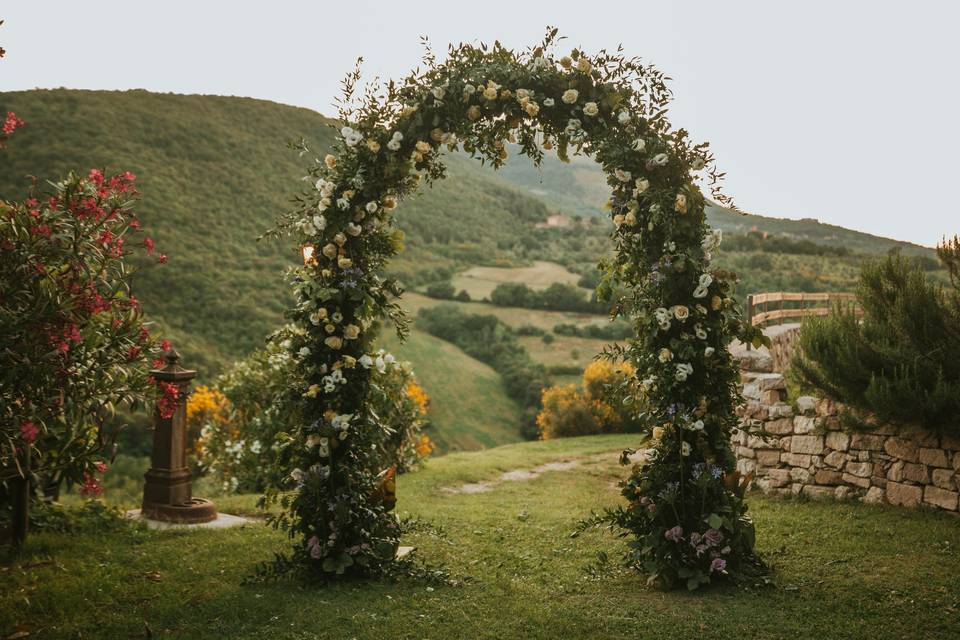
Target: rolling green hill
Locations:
point(214, 173)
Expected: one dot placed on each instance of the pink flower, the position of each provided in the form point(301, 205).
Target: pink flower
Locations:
point(313, 546)
point(718, 564)
point(29, 431)
point(675, 534)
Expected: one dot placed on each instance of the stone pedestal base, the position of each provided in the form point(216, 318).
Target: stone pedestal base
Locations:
point(192, 511)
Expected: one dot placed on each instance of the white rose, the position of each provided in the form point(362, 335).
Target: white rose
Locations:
point(591, 109)
point(371, 207)
point(642, 185)
point(639, 144)
point(708, 351)
point(660, 159)
point(320, 222)
point(353, 229)
point(685, 448)
point(548, 102)
point(469, 89)
point(438, 92)
point(304, 352)
point(623, 117)
point(570, 96)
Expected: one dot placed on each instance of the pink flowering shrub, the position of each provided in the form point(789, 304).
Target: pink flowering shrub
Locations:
point(75, 341)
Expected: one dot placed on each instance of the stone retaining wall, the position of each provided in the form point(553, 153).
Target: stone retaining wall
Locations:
point(800, 449)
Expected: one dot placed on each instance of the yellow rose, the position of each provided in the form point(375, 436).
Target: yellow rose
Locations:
point(619, 219)
point(437, 134)
point(423, 146)
point(566, 62)
point(657, 433)
point(344, 263)
point(630, 219)
point(373, 145)
point(340, 239)
point(331, 161)
point(532, 108)
point(330, 251)
point(312, 391)
point(490, 93)
point(584, 66)
point(408, 111)
point(389, 203)
point(716, 303)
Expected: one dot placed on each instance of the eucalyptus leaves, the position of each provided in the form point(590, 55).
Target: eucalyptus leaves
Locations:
point(477, 100)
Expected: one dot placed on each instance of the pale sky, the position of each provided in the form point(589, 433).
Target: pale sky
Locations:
point(845, 111)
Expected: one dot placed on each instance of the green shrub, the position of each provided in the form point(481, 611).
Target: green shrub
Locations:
point(548, 338)
point(441, 290)
point(902, 362)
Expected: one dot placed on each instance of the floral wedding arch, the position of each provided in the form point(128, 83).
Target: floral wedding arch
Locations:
point(684, 507)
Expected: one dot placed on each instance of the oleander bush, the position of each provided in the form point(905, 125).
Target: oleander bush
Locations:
point(902, 361)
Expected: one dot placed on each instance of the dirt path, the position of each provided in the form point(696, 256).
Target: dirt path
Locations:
point(517, 475)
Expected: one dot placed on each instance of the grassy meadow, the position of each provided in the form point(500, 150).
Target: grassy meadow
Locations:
point(479, 282)
point(839, 571)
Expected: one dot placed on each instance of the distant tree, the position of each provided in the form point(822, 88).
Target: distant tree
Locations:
point(463, 296)
point(441, 290)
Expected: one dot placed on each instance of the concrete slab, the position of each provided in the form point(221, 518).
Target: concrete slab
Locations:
point(223, 521)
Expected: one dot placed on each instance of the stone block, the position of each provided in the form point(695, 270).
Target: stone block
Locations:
point(745, 452)
point(828, 477)
point(796, 488)
point(786, 443)
point(916, 473)
point(804, 424)
point(956, 461)
point(904, 495)
point(816, 462)
point(944, 478)
point(807, 444)
point(940, 497)
point(780, 427)
point(826, 407)
point(779, 410)
point(843, 493)
point(950, 441)
point(895, 472)
point(860, 469)
point(746, 466)
point(755, 360)
point(874, 495)
point(902, 449)
point(778, 477)
point(868, 441)
point(933, 457)
point(799, 474)
point(923, 437)
point(817, 493)
point(771, 396)
point(757, 442)
point(838, 440)
point(836, 459)
point(807, 404)
point(767, 381)
point(768, 457)
point(857, 481)
point(795, 459)
point(863, 456)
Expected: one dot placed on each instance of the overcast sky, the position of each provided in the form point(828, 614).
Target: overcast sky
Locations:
point(842, 111)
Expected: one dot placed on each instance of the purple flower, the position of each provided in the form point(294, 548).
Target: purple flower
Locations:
point(675, 534)
point(716, 471)
point(713, 537)
point(313, 546)
point(718, 564)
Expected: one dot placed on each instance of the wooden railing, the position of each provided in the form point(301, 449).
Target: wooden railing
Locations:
point(779, 306)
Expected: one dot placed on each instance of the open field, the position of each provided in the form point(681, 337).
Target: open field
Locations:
point(479, 282)
point(840, 571)
point(468, 406)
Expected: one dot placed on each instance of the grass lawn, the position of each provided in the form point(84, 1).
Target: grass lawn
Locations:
point(840, 571)
point(480, 282)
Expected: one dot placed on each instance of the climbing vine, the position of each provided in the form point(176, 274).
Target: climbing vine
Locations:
point(683, 506)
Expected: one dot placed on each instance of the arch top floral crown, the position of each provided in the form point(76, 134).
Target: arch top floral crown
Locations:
point(683, 505)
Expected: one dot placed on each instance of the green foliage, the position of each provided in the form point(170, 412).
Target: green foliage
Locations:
point(617, 330)
point(902, 361)
point(441, 290)
point(76, 344)
point(487, 339)
point(556, 297)
point(240, 442)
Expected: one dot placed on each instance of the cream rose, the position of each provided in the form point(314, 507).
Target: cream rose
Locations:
point(591, 109)
point(351, 332)
point(344, 263)
point(334, 342)
point(330, 160)
point(584, 66)
point(570, 96)
point(681, 312)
